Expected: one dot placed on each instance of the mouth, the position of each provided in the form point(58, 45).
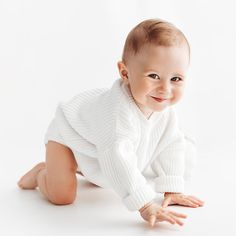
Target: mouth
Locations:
point(159, 99)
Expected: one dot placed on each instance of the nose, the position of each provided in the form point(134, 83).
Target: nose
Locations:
point(164, 87)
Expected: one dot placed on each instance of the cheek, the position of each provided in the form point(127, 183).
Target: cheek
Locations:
point(178, 93)
point(141, 89)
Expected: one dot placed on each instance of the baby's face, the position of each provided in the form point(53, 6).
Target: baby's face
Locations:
point(156, 76)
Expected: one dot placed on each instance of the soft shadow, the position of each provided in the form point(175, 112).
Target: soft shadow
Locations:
point(144, 226)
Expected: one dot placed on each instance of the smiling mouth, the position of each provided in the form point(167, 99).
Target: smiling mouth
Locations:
point(159, 99)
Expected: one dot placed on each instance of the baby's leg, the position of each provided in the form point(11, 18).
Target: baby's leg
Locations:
point(56, 178)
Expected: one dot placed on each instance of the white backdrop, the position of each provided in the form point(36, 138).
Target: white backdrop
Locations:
point(52, 49)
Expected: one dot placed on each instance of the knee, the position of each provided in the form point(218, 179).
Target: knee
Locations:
point(61, 190)
point(62, 198)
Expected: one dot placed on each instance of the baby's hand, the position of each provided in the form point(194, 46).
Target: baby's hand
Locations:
point(181, 199)
point(153, 213)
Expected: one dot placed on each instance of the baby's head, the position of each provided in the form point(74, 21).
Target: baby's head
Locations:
point(154, 64)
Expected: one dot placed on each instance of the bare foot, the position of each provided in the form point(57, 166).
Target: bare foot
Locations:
point(28, 181)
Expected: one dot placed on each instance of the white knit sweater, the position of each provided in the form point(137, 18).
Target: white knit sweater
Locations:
point(106, 125)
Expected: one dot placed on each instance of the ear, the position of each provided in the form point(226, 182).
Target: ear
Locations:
point(123, 71)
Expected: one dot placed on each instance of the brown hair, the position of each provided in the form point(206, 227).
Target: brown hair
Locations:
point(152, 31)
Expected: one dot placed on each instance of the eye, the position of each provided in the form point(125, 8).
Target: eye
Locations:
point(154, 76)
point(176, 79)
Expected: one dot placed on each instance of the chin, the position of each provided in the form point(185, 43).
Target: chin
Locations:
point(158, 109)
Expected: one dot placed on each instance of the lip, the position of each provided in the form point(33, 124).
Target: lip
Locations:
point(159, 99)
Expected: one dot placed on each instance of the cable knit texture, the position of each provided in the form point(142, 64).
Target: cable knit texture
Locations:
point(105, 127)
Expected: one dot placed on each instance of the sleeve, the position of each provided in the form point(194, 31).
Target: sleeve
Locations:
point(170, 162)
point(190, 155)
point(118, 161)
point(118, 164)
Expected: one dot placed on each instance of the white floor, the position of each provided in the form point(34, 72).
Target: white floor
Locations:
point(100, 211)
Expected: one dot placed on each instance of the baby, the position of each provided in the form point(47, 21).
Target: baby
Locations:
point(115, 137)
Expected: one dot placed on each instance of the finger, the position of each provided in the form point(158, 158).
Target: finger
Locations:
point(166, 202)
point(187, 202)
point(152, 220)
point(178, 214)
point(166, 217)
point(179, 222)
point(197, 199)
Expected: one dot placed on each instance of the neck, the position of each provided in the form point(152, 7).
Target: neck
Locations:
point(145, 110)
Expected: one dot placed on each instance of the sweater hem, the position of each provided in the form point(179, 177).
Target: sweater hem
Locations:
point(169, 184)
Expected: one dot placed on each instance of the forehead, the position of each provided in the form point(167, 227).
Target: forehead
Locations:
point(152, 57)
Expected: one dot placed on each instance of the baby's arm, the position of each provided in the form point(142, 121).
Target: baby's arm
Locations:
point(170, 166)
point(169, 163)
point(118, 133)
point(118, 163)
point(120, 168)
